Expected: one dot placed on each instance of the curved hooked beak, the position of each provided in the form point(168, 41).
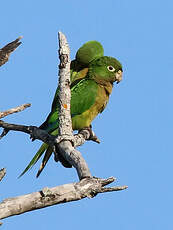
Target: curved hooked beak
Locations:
point(118, 76)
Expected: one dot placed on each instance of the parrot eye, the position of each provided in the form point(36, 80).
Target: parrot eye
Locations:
point(111, 68)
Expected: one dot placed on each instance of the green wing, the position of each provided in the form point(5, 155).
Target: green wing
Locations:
point(51, 122)
point(83, 96)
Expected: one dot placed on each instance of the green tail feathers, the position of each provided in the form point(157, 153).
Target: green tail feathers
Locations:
point(34, 160)
point(44, 147)
point(47, 155)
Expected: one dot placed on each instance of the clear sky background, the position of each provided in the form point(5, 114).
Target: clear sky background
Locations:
point(135, 129)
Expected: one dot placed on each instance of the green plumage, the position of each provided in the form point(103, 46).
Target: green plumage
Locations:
point(88, 52)
point(91, 86)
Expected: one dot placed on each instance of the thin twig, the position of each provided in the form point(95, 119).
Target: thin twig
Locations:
point(14, 110)
point(2, 173)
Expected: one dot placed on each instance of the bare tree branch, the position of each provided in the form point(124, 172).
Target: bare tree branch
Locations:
point(8, 49)
point(65, 147)
point(14, 110)
point(44, 136)
point(65, 123)
point(88, 187)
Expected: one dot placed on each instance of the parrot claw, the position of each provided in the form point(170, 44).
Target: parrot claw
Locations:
point(94, 138)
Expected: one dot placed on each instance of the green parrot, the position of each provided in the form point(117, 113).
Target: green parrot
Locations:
point(92, 78)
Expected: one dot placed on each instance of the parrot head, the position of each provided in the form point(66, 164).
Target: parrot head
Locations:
point(105, 69)
point(89, 51)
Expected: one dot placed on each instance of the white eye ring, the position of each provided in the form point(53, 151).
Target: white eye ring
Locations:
point(111, 68)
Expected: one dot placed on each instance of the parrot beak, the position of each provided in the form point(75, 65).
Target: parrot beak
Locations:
point(118, 76)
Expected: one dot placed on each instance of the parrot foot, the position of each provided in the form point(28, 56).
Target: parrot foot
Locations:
point(92, 136)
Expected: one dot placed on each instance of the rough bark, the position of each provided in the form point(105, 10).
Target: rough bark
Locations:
point(65, 124)
point(7, 50)
point(88, 187)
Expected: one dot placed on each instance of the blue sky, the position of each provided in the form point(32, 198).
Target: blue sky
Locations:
point(135, 129)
